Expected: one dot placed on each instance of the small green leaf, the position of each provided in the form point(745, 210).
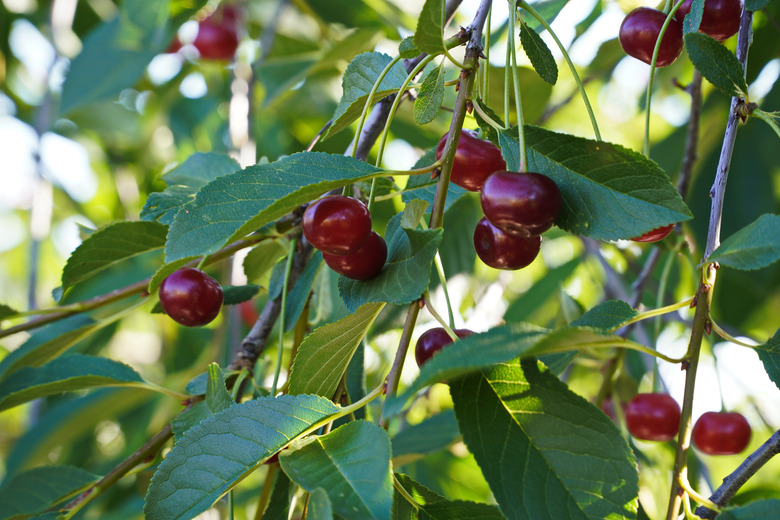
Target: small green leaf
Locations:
point(358, 81)
point(606, 316)
point(540, 56)
point(431, 435)
point(217, 399)
point(758, 510)
point(300, 291)
point(215, 455)
point(756, 5)
point(404, 277)
point(281, 495)
point(769, 354)
point(752, 247)
point(38, 489)
point(261, 258)
point(7, 312)
point(717, 64)
point(109, 246)
point(548, 9)
point(407, 49)
point(234, 294)
point(432, 506)
point(545, 451)
point(319, 506)
point(352, 464)
point(64, 374)
point(430, 96)
point(693, 18)
point(233, 205)
point(325, 353)
point(413, 213)
point(429, 35)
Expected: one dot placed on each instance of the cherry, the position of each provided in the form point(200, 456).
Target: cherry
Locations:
point(336, 224)
point(217, 37)
point(248, 312)
point(434, 340)
point(639, 32)
point(521, 204)
point(364, 263)
point(475, 160)
point(721, 433)
point(653, 417)
point(719, 19)
point(655, 235)
point(191, 297)
point(502, 251)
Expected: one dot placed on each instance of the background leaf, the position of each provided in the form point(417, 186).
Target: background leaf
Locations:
point(540, 56)
point(769, 354)
point(716, 63)
point(430, 96)
point(759, 510)
point(36, 490)
point(428, 37)
point(756, 5)
point(217, 399)
point(544, 450)
point(752, 247)
point(319, 506)
point(429, 436)
point(6, 311)
point(352, 464)
point(432, 506)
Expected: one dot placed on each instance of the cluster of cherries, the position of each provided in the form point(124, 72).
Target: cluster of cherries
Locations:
point(217, 38)
point(340, 227)
point(518, 207)
point(656, 417)
point(641, 27)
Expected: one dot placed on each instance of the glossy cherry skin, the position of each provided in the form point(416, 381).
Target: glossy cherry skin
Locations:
point(653, 417)
point(639, 32)
point(655, 235)
point(191, 297)
point(433, 340)
point(521, 204)
point(721, 433)
point(364, 263)
point(475, 160)
point(500, 250)
point(336, 224)
point(217, 37)
point(719, 19)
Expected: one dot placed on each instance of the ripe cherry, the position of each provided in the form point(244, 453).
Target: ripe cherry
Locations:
point(719, 19)
point(639, 32)
point(721, 433)
point(475, 160)
point(434, 340)
point(217, 37)
point(500, 250)
point(336, 224)
point(655, 235)
point(521, 204)
point(653, 417)
point(191, 297)
point(364, 263)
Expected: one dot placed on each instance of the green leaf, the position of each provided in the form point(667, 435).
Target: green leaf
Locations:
point(217, 399)
point(142, 24)
point(716, 63)
point(319, 506)
point(429, 35)
point(432, 506)
point(769, 354)
point(183, 182)
point(48, 342)
point(756, 5)
point(404, 277)
point(281, 495)
point(540, 56)
point(607, 316)
point(548, 9)
point(325, 353)
point(6, 311)
point(430, 96)
point(413, 212)
point(752, 247)
point(352, 464)
point(431, 435)
point(233, 205)
point(109, 246)
point(759, 510)
point(407, 49)
point(64, 374)
point(531, 300)
point(234, 294)
point(693, 18)
point(609, 192)
point(299, 294)
point(359, 78)
point(262, 258)
point(545, 451)
point(36, 490)
point(215, 455)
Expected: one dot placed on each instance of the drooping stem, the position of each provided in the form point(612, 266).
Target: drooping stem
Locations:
point(523, 161)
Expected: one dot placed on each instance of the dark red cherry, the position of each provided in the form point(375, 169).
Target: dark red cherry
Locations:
point(521, 204)
point(719, 19)
point(653, 417)
point(248, 312)
point(502, 251)
point(639, 32)
point(655, 235)
point(336, 224)
point(217, 37)
point(364, 263)
point(191, 297)
point(475, 160)
point(721, 433)
point(433, 340)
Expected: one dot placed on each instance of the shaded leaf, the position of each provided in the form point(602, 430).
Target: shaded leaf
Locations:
point(524, 306)
point(540, 56)
point(769, 354)
point(716, 63)
point(606, 316)
point(432, 506)
point(233, 205)
point(752, 247)
point(693, 18)
point(64, 374)
point(281, 494)
point(431, 435)
point(407, 49)
point(299, 293)
point(217, 399)
point(413, 212)
point(545, 451)
point(215, 455)
point(430, 96)
point(548, 9)
point(234, 294)
point(429, 35)
point(38, 489)
point(262, 258)
point(352, 464)
point(758, 510)
point(319, 506)
point(756, 5)
point(325, 353)
point(6, 311)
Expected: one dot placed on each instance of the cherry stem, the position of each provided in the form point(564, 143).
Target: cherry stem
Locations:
point(394, 376)
point(447, 328)
point(683, 480)
point(404, 493)
point(370, 101)
point(523, 160)
point(283, 312)
point(443, 279)
point(728, 337)
point(489, 120)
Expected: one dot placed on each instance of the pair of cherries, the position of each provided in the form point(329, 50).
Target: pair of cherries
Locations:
point(518, 207)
